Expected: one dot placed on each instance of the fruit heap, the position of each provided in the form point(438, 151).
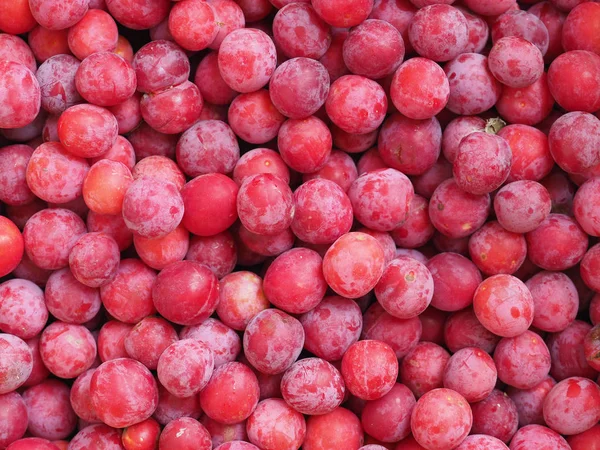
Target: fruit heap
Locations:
point(284, 224)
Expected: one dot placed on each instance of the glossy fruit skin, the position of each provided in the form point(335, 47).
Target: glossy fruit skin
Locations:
point(11, 246)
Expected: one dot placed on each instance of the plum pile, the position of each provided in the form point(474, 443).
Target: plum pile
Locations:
point(299, 224)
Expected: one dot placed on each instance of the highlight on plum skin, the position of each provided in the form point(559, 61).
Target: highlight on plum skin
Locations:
point(299, 224)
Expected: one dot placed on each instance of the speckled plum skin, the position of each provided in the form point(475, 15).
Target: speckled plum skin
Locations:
point(441, 430)
point(257, 48)
point(273, 340)
point(473, 88)
point(336, 317)
point(523, 361)
point(381, 199)
point(471, 372)
point(405, 289)
point(504, 305)
point(313, 386)
point(322, 212)
point(572, 406)
point(537, 436)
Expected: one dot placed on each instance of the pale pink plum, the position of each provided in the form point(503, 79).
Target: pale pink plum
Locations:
point(538, 436)
point(401, 334)
point(339, 168)
point(51, 415)
point(159, 253)
point(16, 363)
point(253, 46)
point(574, 142)
point(523, 361)
point(313, 386)
point(111, 340)
point(294, 281)
point(185, 367)
point(572, 406)
point(322, 212)
point(455, 280)
point(557, 244)
point(482, 441)
point(479, 31)
point(148, 339)
point(439, 32)
point(13, 48)
point(56, 77)
point(117, 84)
point(80, 397)
point(312, 42)
point(23, 312)
point(522, 206)
point(516, 62)
point(530, 402)
point(260, 160)
point(273, 341)
point(13, 419)
point(49, 236)
point(585, 204)
point(472, 373)
point(356, 104)
point(304, 144)
point(96, 435)
point(556, 301)
point(224, 343)
point(332, 327)
point(185, 433)
point(456, 131)
point(193, 24)
point(68, 173)
point(20, 95)
point(340, 428)
point(495, 250)
point(221, 433)
point(582, 69)
point(173, 110)
point(95, 32)
point(473, 88)
point(170, 407)
point(422, 369)
point(241, 297)
point(208, 146)
point(434, 429)
point(381, 199)
point(67, 350)
point(70, 301)
point(274, 425)
point(567, 352)
point(254, 118)
point(373, 49)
